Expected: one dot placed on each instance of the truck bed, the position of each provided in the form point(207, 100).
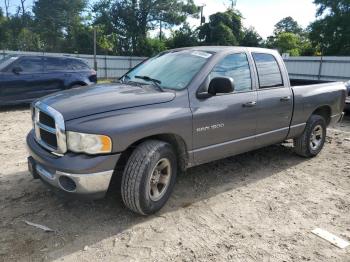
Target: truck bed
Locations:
point(312, 94)
point(304, 82)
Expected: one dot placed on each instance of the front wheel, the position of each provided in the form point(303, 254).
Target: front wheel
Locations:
point(311, 142)
point(149, 177)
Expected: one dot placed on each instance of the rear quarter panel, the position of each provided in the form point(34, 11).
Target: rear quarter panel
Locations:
point(307, 99)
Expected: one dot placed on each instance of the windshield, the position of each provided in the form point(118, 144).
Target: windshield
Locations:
point(4, 62)
point(173, 70)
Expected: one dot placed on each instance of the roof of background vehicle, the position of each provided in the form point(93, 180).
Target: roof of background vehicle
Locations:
point(50, 56)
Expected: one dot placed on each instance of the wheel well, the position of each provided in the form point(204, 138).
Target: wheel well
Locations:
point(176, 141)
point(325, 112)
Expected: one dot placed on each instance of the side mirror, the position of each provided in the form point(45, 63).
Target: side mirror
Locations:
point(221, 85)
point(17, 70)
point(218, 85)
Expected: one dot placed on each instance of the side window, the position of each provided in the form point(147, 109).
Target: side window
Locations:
point(29, 64)
point(268, 69)
point(77, 65)
point(235, 66)
point(54, 64)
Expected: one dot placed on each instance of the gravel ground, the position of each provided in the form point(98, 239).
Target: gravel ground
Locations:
point(259, 206)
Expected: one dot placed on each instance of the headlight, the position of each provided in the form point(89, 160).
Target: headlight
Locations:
point(88, 143)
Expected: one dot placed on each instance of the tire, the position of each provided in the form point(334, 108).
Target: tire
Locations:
point(139, 189)
point(311, 142)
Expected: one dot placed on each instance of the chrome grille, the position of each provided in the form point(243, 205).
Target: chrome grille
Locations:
point(49, 128)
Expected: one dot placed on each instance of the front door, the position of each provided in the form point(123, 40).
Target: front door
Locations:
point(225, 125)
point(26, 83)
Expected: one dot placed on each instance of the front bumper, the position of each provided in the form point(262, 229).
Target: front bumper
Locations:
point(75, 175)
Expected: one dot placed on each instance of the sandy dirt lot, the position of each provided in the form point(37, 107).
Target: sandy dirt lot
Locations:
point(259, 206)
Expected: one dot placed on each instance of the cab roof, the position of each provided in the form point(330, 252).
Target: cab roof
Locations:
point(225, 49)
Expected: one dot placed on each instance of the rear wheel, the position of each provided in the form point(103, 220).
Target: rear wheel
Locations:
point(311, 142)
point(149, 177)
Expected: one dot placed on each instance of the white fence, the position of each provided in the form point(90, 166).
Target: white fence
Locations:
point(107, 66)
point(327, 68)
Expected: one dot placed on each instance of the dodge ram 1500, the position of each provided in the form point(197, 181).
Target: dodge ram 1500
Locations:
point(179, 109)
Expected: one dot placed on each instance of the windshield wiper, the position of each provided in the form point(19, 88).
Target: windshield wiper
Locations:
point(156, 82)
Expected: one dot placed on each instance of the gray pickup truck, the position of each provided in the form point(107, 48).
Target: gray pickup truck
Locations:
point(179, 109)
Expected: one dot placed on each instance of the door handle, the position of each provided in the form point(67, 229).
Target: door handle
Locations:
point(285, 99)
point(250, 104)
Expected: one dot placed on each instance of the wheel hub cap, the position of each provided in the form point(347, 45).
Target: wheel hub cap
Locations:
point(316, 137)
point(160, 179)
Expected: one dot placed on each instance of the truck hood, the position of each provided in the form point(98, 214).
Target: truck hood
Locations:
point(85, 101)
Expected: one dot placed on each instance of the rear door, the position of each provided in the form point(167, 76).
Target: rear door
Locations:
point(55, 74)
point(79, 71)
point(224, 125)
point(275, 100)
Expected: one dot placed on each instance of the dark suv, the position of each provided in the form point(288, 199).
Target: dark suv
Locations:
point(25, 78)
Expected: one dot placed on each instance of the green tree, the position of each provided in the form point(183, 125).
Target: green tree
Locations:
point(131, 20)
point(331, 32)
point(3, 30)
point(251, 38)
point(153, 46)
point(290, 37)
point(13, 26)
point(27, 40)
point(288, 25)
point(183, 37)
point(57, 19)
point(288, 43)
point(222, 29)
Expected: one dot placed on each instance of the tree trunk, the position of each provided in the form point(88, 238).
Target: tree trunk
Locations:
point(23, 9)
point(7, 6)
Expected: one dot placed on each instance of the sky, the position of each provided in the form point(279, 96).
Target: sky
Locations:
point(261, 14)
point(264, 14)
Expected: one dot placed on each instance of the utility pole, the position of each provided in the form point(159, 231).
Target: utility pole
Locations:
point(160, 30)
point(202, 17)
point(233, 3)
point(95, 50)
point(161, 17)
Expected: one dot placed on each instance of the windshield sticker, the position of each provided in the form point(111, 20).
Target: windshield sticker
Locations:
point(201, 54)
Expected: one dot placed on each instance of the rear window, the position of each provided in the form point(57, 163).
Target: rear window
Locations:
point(75, 64)
point(269, 72)
point(55, 64)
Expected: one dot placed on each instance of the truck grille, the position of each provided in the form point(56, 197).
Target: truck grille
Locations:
point(49, 128)
point(48, 138)
point(47, 120)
